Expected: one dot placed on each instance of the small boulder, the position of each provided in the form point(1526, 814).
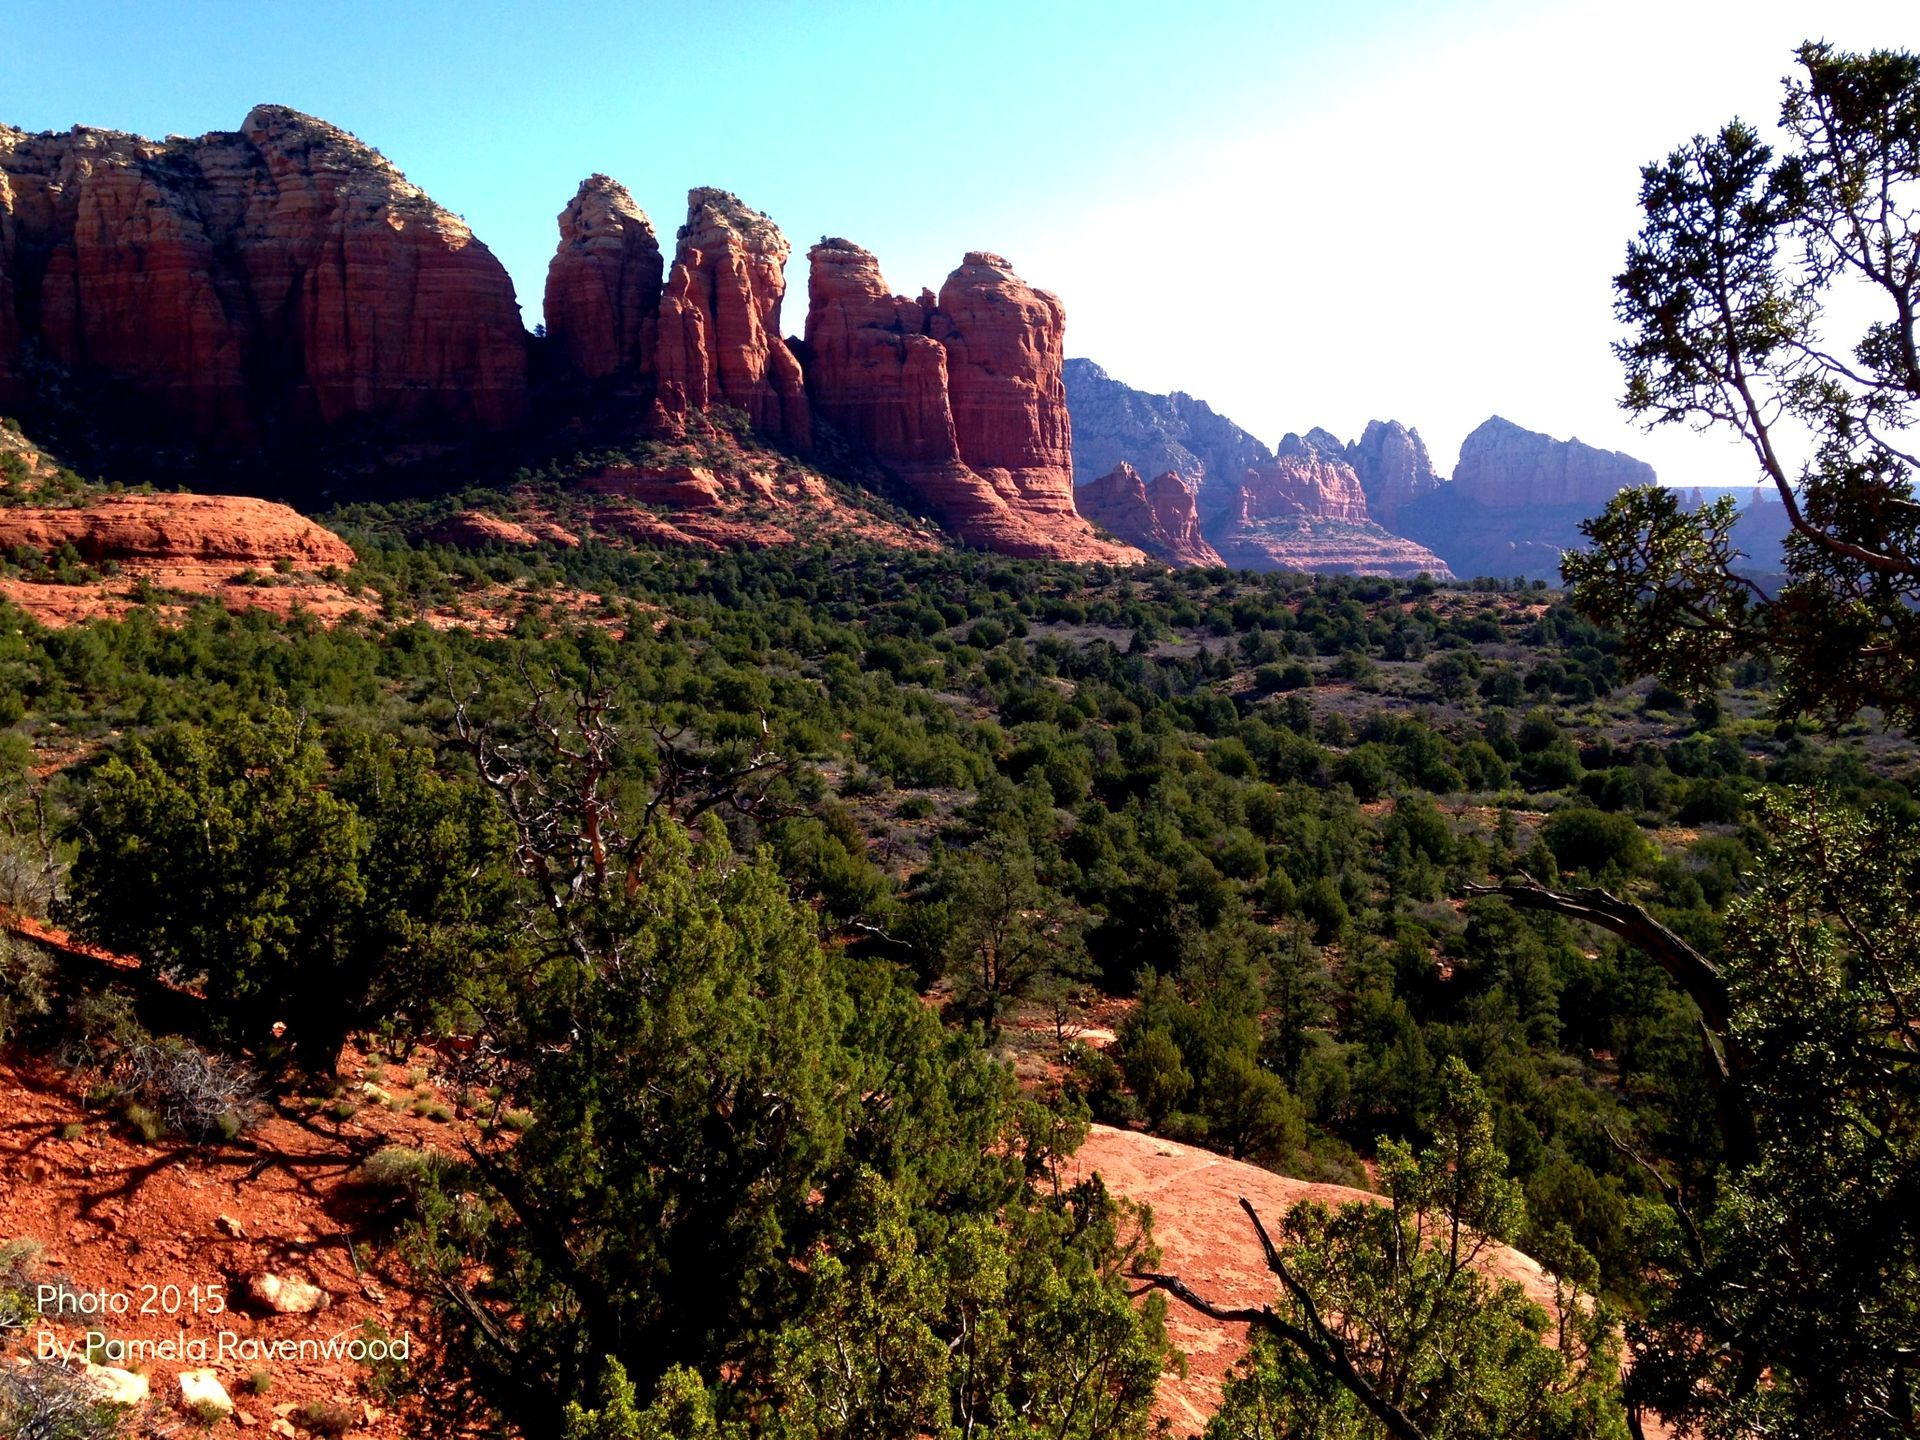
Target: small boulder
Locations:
point(227, 1225)
point(114, 1386)
point(202, 1389)
point(285, 1295)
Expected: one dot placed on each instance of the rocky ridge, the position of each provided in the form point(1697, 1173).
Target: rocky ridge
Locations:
point(1378, 505)
point(242, 289)
point(961, 397)
point(1158, 518)
point(250, 288)
point(1113, 422)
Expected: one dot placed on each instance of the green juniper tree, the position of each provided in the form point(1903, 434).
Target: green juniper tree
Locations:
point(314, 892)
point(764, 1191)
point(1728, 298)
point(1785, 1299)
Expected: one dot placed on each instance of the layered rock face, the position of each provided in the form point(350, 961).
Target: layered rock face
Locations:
point(1159, 518)
point(1394, 468)
point(873, 369)
point(961, 397)
point(283, 271)
point(1505, 466)
point(603, 284)
point(1113, 422)
point(720, 338)
point(1308, 476)
point(1306, 510)
point(201, 529)
point(1005, 344)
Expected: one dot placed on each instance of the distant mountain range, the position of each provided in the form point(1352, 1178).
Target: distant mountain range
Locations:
point(1376, 505)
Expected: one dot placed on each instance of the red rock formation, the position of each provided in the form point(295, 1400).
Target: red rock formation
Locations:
point(1158, 518)
point(1394, 468)
point(872, 368)
point(1506, 466)
point(1307, 511)
point(961, 398)
point(603, 283)
point(477, 529)
point(1004, 342)
point(283, 268)
point(720, 320)
point(1206, 1239)
point(199, 529)
point(1309, 477)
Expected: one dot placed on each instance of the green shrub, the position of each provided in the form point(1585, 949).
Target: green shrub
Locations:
point(1595, 841)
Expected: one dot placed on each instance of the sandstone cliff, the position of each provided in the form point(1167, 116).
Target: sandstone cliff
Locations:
point(1394, 468)
point(198, 529)
point(1158, 518)
point(873, 369)
point(1306, 510)
point(1113, 422)
point(720, 340)
point(1308, 476)
point(603, 284)
point(281, 272)
point(961, 397)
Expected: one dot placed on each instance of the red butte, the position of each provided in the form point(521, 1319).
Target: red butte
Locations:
point(720, 321)
point(280, 272)
point(961, 397)
point(603, 284)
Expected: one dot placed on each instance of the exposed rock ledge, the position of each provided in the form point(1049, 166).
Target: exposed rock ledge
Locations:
point(187, 528)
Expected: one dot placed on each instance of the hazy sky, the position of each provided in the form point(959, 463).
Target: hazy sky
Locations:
point(1307, 214)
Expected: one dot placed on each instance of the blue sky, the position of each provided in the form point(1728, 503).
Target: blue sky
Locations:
point(1304, 213)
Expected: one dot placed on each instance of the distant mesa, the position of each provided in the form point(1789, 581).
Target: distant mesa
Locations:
point(1503, 465)
point(1516, 501)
